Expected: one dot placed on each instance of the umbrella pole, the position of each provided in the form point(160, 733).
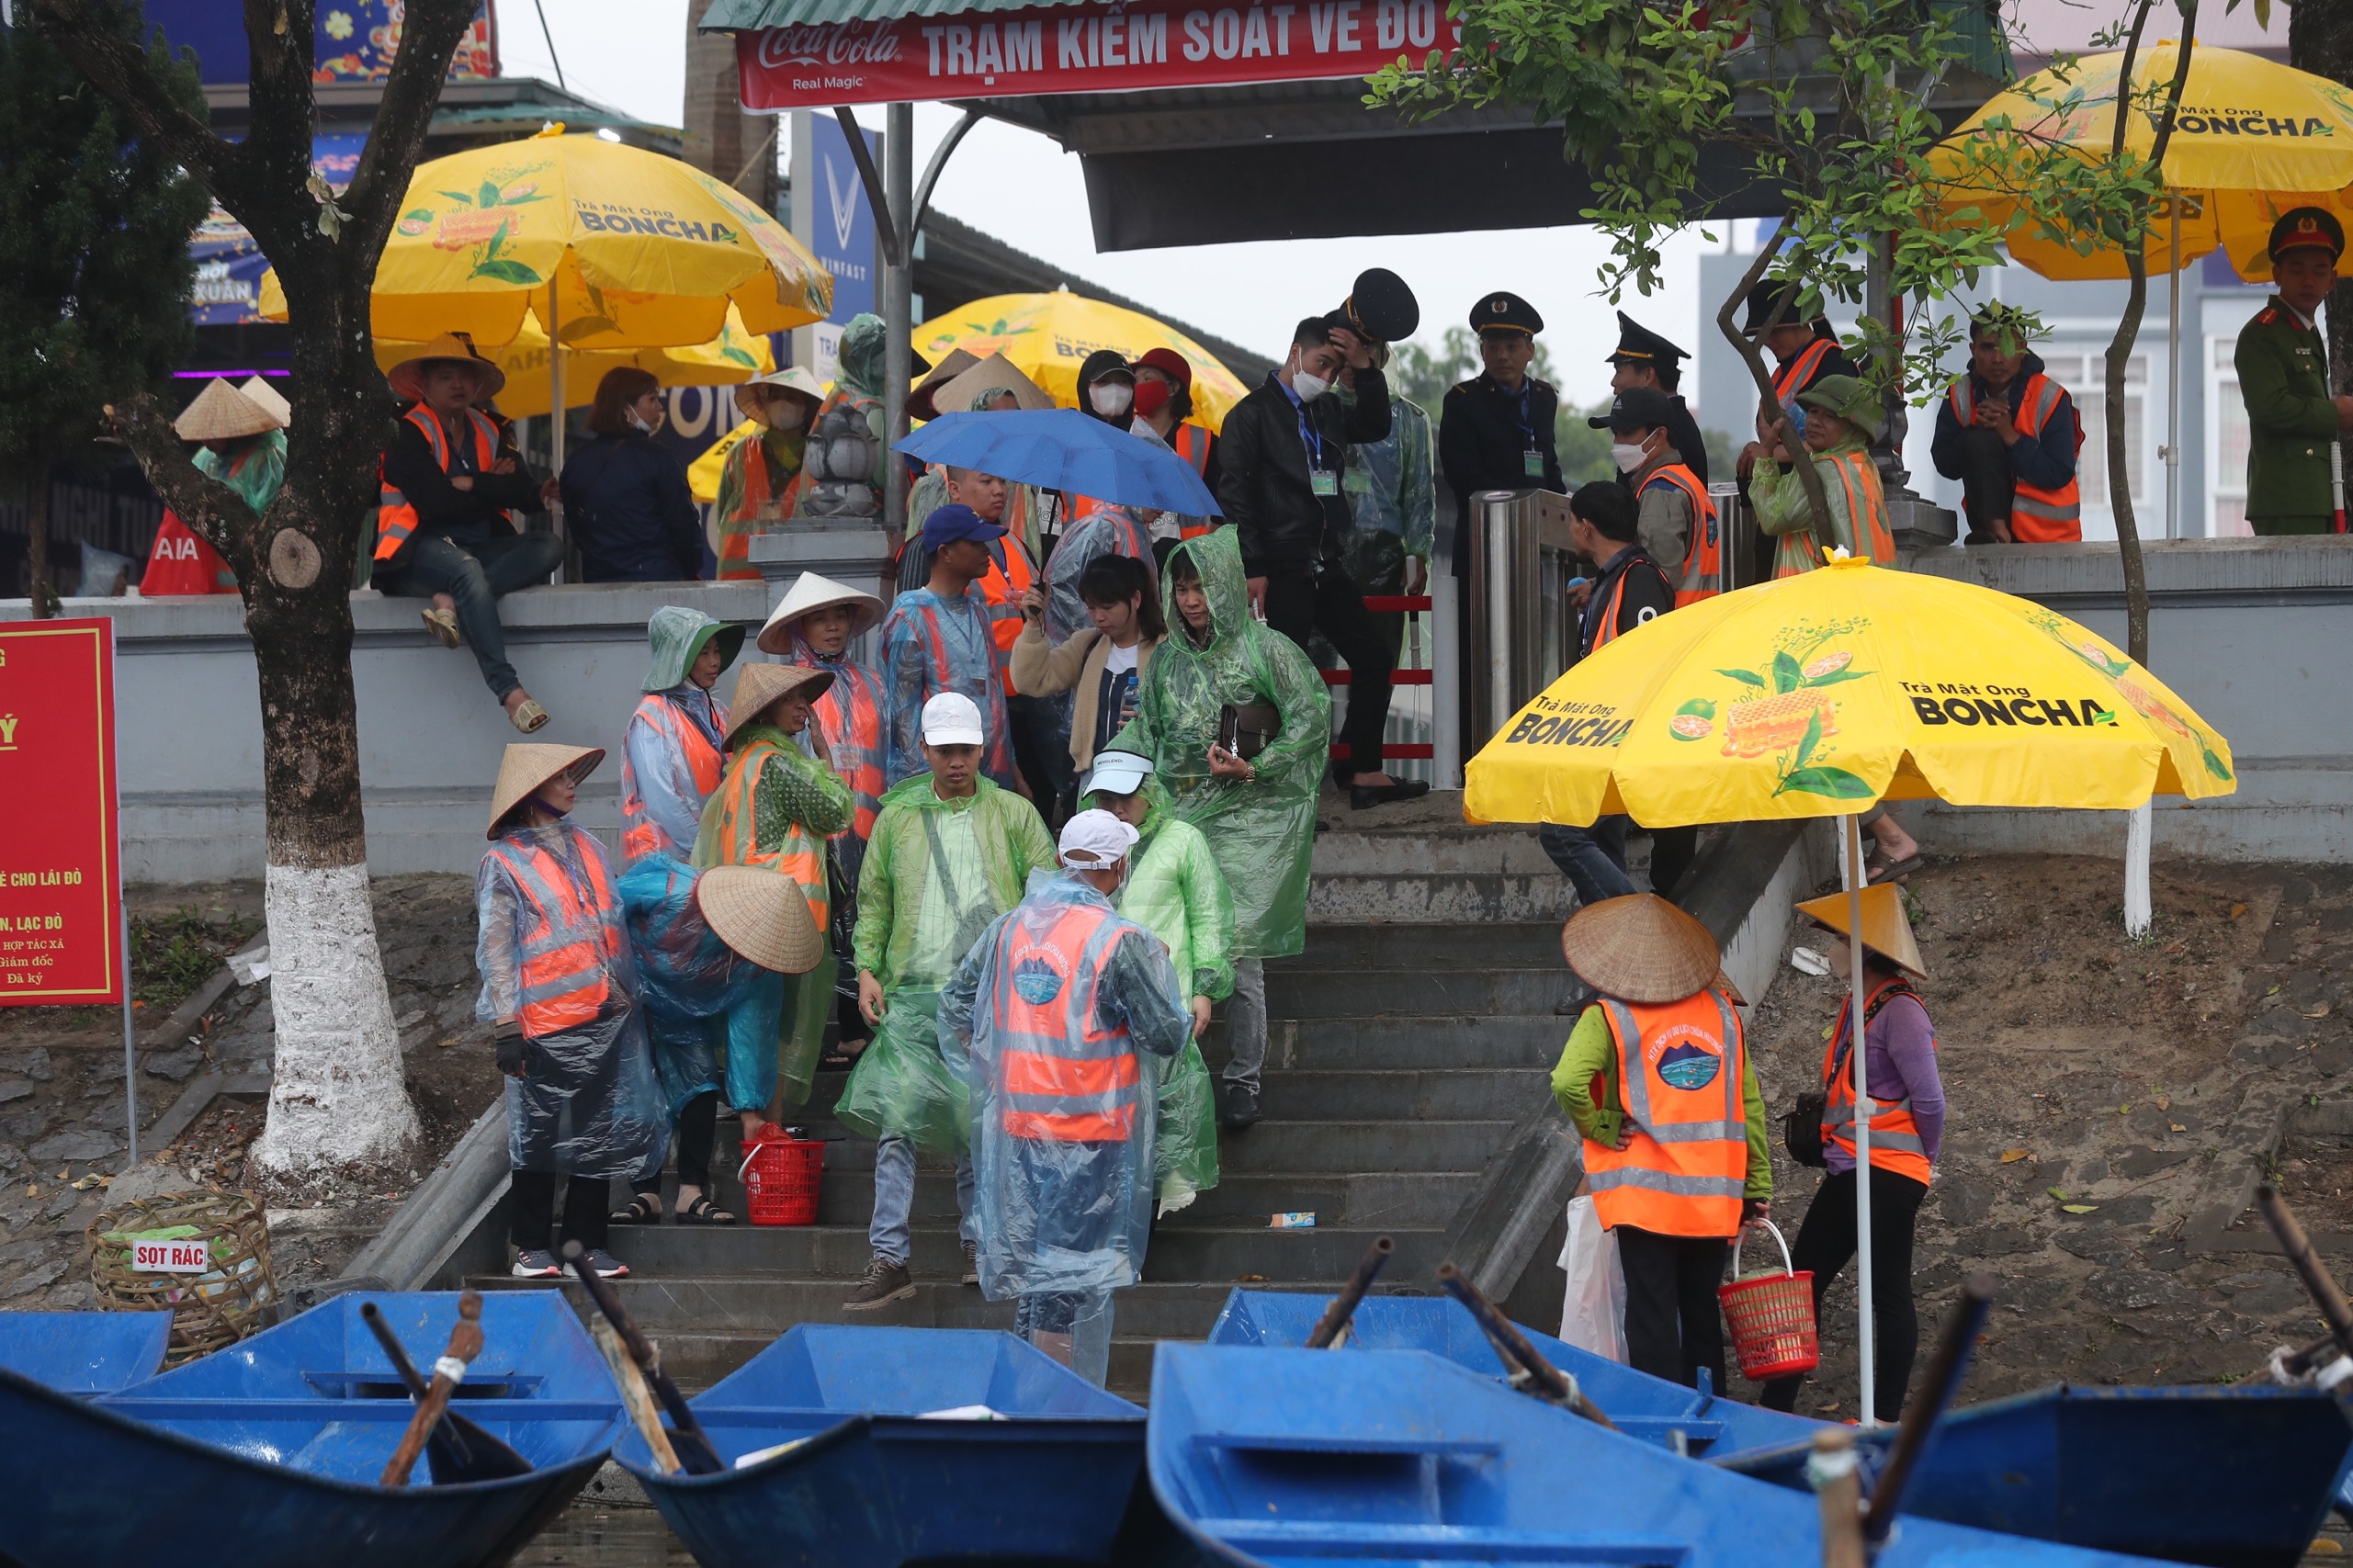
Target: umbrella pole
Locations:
point(1862, 1116)
point(556, 407)
point(2173, 382)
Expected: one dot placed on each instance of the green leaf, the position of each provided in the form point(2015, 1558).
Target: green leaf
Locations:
point(1745, 677)
point(737, 356)
point(505, 270)
point(489, 196)
point(1834, 676)
point(496, 241)
point(2214, 766)
point(1836, 782)
point(1787, 676)
point(2078, 1208)
point(2056, 1193)
point(459, 197)
point(419, 215)
point(1813, 737)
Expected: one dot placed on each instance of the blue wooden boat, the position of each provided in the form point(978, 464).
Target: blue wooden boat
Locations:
point(1642, 1406)
point(83, 1352)
point(866, 1448)
point(266, 1454)
point(2230, 1477)
point(1284, 1457)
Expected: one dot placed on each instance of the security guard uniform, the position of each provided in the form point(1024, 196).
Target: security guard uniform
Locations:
point(1639, 348)
point(2293, 434)
point(1491, 436)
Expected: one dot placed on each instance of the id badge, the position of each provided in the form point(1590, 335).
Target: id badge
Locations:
point(1532, 463)
point(1323, 481)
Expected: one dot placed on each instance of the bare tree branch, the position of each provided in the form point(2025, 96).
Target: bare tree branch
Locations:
point(1768, 404)
point(217, 514)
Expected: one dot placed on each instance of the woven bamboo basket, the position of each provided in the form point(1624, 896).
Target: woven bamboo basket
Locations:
point(236, 1297)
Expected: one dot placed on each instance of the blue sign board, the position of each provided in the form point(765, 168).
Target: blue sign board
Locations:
point(842, 236)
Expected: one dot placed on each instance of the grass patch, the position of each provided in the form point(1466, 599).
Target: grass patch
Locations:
point(171, 955)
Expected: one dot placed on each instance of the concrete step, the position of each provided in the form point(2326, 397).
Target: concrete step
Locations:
point(1376, 1198)
point(1443, 1095)
point(1373, 1044)
point(1437, 994)
point(1487, 944)
point(1273, 1147)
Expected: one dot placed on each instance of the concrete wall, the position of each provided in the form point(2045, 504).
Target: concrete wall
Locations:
point(2253, 634)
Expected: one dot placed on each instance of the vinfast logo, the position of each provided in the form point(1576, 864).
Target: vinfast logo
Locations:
point(844, 43)
point(841, 195)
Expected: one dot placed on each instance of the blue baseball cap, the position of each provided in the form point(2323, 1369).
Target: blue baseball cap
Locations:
point(955, 522)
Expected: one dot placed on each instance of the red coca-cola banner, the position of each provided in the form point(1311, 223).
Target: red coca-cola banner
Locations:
point(1092, 47)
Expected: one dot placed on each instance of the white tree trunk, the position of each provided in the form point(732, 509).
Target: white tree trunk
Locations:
point(338, 1102)
point(2138, 913)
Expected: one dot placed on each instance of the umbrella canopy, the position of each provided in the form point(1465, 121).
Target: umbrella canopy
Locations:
point(2254, 139)
point(1049, 336)
point(1064, 449)
point(642, 251)
point(732, 357)
point(1816, 694)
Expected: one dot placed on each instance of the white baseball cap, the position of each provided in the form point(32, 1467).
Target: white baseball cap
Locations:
point(1094, 840)
point(953, 719)
point(1119, 773)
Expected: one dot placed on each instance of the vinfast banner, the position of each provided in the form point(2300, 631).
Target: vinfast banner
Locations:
point(1089, 48)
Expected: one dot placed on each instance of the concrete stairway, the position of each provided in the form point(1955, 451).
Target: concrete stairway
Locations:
point(1401, 1057)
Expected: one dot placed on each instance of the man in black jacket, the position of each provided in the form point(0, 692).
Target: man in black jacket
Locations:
point(1282, 454)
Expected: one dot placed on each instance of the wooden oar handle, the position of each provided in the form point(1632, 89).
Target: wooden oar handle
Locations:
point(695, 1450)
point(464, 1344)
point(1511, 1344)
point(1344, 1306)
point(2307, 1265)
point(1938, 1388)
point(394, 1351)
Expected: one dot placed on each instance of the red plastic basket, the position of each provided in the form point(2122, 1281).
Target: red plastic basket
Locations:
point(1771, 1318)
point(780, 1174)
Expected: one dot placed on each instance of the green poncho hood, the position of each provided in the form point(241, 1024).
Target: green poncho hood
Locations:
point(859, 370)
point(678, 636)
point(1218, 556)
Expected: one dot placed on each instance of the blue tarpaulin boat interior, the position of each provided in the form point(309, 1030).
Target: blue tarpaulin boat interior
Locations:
point(83, 1352)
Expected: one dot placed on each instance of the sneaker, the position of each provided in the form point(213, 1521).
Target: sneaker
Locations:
point(1241, 1106)
point(536, 1263)
point(607, 1266)
point(972, 1263)
point(882, 1283)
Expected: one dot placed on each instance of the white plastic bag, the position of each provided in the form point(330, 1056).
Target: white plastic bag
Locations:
point(1593, 1311)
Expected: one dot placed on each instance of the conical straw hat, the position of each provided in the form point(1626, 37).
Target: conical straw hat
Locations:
point(268, 398)
point(1884, 930)
point(956, 395)
point(809, 594)
point(955, 363)
point(1641, 949)
point(792, 377)
point(407, 377)
point(528, 765)
point(221, 412)
point(762, 915)
point(759, 685)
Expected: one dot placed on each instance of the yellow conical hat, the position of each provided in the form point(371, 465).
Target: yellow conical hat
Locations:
point(1884, 930)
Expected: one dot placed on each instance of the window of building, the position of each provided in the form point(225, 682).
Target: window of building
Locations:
point(2227, 443)
point(2085, 375)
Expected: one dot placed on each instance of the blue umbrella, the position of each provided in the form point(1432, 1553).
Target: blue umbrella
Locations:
point(1064, 449)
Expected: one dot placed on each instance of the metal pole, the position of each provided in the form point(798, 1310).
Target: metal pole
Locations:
point(130, 1049)
point(556, 407)
point(2173, 379)
point(898, 307)
point(1496, 560)
point(1862, 1116)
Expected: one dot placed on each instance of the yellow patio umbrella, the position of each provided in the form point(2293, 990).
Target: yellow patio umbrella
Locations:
point(1049, 336)
point(702, 473)
point(732, 357)
point(1818, 694)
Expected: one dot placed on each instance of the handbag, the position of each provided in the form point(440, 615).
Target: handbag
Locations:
point(1802, 1124)
point(1248, 728)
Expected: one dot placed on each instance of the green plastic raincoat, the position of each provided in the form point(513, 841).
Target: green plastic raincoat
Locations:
point(1175, 891)
point(1260, 831)
point(901, 1084)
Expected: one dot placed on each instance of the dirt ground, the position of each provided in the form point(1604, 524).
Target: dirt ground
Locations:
point(61, 1117)
point(2102, 1095)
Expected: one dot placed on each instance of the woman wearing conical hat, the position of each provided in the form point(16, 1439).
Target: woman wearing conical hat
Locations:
point(763, 466)
point(776, 807)
point(559, 991)
point(1906, 1127)
point(241, 441)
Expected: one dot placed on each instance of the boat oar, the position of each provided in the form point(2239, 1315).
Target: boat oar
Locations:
point(457, 1450)
point(1946, 1369)
point(694, 1451)
point(1523, 1360)
point(1334, 1322)
point(464, 1344)
point(1838, 1489)
point(2307, 1265)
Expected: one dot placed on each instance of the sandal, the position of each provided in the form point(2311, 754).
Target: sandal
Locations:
point(529, 716)
point(1874, 870)
point(644, 1210)
point(702, 1212)
point(443, 624)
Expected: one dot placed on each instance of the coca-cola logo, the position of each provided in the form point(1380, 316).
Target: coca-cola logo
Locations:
point(845, 44)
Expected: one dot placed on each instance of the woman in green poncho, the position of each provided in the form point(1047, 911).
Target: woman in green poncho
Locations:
point(1175, 891)
point(1239, 727)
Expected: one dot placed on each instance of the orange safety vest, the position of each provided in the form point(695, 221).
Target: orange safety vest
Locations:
point(1705, 557)
point(572, 941)
point(1011, 575)
point(1857, 478)
point(1065, 1078)
point(996, 754)
point(1895, 1134)
point(1192, 442)
point(735, 540)
point(799, 854)
point(641, 836)
point(802, 482)
point(2038, 516)
point(398, 519)
point(1798, 374)
point(1686, 1161)
point(1607, 632)
point(849, 716)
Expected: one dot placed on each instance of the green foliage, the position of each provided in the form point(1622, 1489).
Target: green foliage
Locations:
point(94, 249)
point(173, 954)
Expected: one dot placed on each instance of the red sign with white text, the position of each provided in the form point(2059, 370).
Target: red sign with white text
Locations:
point(60, 878)
point(1090, 48)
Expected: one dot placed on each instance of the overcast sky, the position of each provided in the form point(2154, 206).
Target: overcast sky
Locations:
point(1025, 190)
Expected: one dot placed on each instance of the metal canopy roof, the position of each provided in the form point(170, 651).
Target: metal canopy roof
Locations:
point(751, 15)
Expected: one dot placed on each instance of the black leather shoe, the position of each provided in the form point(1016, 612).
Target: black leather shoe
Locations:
point(1360, 796)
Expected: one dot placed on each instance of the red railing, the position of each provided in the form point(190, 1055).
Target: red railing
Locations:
point(1392, 604)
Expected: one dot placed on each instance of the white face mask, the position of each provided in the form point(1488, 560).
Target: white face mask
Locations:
point(1110, 399)
point(1309, 387)
point(1628, 459)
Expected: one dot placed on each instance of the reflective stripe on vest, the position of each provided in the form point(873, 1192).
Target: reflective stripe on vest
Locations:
point(2054, 516)
point(1608, 632)
point(1065, 1079)
point(1192, 443)
point(1011, 575)
point(996, 756)
point(1685, 1165)
point(735, 545)
point(1795, 376)
point(561, 960)
point(396, 519)
point(1895, 1142)
point(849, 716)
point(1866, 503)
point(640, 834)
point(1705, 557)
point(799, 854)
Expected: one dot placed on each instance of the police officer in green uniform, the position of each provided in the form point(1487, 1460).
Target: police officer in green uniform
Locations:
point(1643, 359)
point(2296, 428)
